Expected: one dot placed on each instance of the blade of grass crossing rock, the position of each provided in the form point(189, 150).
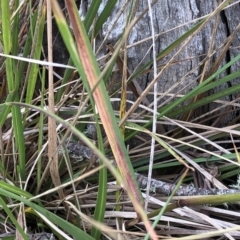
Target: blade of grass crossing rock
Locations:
point(161, 55)
point(104, 15)
point(89, 72)
point(91, 14)
point(206, 100)
point(209, 98)
point(168, 49)
point(167, 110)
point(164, 111)
point(176, 43)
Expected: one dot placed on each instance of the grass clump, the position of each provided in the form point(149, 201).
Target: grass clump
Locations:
point(46, 106)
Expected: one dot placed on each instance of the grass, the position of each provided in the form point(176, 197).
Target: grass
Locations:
point(45, 103)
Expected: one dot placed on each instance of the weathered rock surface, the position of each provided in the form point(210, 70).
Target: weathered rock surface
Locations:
point(173, 18)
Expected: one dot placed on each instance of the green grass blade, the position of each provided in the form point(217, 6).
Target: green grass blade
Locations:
point(5, 109)
point(101, 202)
point(19, 138)
point(7, 47)
point(164, 111)
point(169, 49)
point(218, 82)
point(104, 16)
point(15, 31)
point(34, 68)
point(75, 131)
point(99, 211)
point(14, 189)
point(41, 134)
point(6, 26)
point(27, 46)
point(66, 226)
point(67, 75)
point(206, 100)
point(91, 14)
point(13, 219)
point(169, 107)
point(13, 84)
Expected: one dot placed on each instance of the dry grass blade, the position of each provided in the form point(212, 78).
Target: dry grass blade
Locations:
point(134, 86)
point(52, 135)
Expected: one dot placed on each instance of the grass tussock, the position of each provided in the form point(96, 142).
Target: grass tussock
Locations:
point(75, 126)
